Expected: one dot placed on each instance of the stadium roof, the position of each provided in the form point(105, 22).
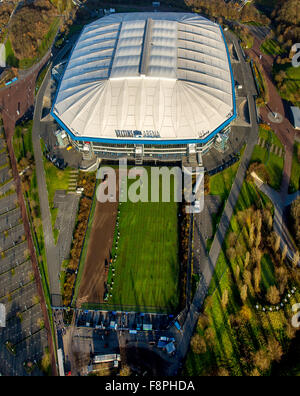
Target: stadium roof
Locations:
point(147, 76)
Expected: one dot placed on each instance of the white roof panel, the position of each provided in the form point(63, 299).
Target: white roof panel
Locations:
point(166, 73)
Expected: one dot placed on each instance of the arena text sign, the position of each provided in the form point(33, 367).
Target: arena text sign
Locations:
point(130, 133)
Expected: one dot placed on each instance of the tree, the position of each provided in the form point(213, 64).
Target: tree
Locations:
point(247, 260)
point(295, 214)
point(290, 331)
point(125, 371)
point(256, 255)
point(237, 272)
point(261, 360)
point(284, 253)
point(203, 322)
point(257, 278)
point(246, 313)
point(273, 295)
point(210, 337)
point(277, 243)
point(225, 299)
point(258, 239)
point(231, 254)
point(274, 350)
point(247, 277)
point(223, 372)
point(198, 344)
point(282, 278)
point(251, 235)
point(296, 259)
point(208, 303)
point(244, 293)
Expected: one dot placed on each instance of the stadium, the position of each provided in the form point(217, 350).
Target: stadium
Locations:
point(148, 86)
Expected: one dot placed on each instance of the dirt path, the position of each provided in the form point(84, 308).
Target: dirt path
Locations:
point(92, 286)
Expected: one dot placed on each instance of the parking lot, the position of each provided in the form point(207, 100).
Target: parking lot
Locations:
point(10, 219)
point(24, 339)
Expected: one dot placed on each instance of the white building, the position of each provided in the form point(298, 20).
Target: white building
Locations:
point(150, 85)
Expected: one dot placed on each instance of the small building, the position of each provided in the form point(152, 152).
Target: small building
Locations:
point(296, 116)
point(113, 357)
point(60, 359)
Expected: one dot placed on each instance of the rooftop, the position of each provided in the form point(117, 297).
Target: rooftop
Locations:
point(156, 76)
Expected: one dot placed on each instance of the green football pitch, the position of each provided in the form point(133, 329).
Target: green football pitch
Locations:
point(147, 266)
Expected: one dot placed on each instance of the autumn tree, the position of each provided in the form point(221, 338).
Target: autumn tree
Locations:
point(244, 293)
point(273, 295)
point(198, 344)
point(261, 360)
point(275, 351)
point(225, 298)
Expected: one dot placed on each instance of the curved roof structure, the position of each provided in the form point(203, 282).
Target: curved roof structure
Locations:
point(156, 77)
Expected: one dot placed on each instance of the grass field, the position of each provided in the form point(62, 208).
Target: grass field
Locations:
point(295, 175)
point(220, 184)
point(271, 47)
point(274, 164)
point(11, 60)
point(291, 85)
point(231, 341)
point(22, 140)
point(147, 266)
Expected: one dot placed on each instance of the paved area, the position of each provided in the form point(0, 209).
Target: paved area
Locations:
point(203, 230)
point(16, 102)
point(52, 253)
point(24, 339)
